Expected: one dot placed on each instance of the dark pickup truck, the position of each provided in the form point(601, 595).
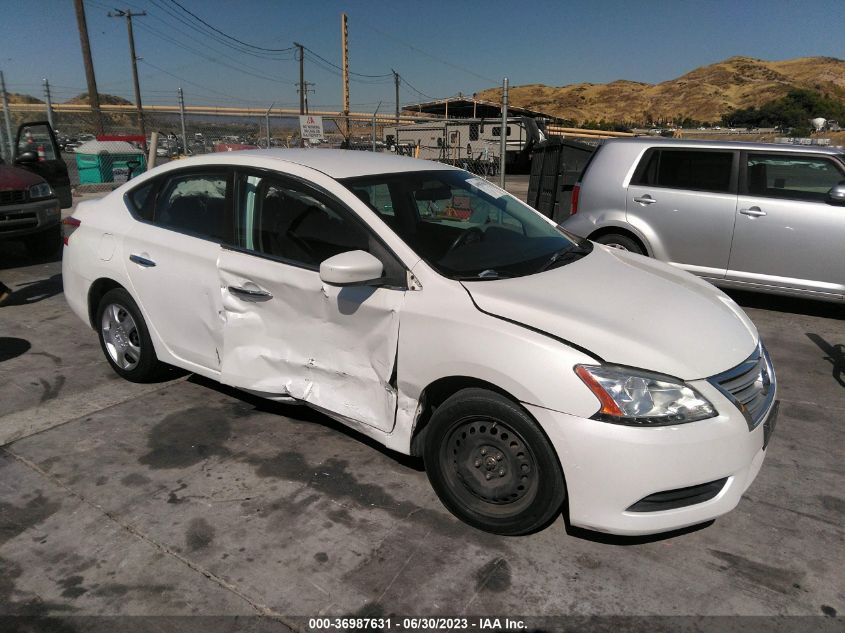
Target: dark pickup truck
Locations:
point(33, 190)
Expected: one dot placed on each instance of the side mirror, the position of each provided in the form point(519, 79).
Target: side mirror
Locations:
point(27, 157)
point(836, 195)
point(352, 268)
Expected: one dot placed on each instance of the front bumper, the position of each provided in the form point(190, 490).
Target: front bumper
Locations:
point(18, 220)
point(609, 467)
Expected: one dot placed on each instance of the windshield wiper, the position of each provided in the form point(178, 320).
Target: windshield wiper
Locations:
point(485, 275)
point(565, 256)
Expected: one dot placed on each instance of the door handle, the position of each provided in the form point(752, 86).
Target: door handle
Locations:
point(646, 200)
point(253, 294)
point(142, 261)
point(755, 212)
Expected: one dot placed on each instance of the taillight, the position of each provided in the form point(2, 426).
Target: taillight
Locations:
point(576, 194)
point(69, 225)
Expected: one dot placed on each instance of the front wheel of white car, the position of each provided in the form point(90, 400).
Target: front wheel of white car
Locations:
point(125, 339)
point(491, 465)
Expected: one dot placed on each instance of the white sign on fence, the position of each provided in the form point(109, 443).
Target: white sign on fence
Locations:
point(311, 127)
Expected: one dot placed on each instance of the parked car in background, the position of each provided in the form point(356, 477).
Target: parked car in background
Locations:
point(756, 216)
point(33, 190)
point(433, 311)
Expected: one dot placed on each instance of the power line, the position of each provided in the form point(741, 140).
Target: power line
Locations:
point(226, 35)
point(188, 81)
point(241, 70)
point(339, 68)
point(210, 34)
point(427, 54)
point(422, 94)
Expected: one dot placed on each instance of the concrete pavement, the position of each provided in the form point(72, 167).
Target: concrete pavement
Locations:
point(186, 497)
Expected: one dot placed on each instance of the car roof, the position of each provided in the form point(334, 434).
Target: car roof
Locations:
point(336, 163)
point(733, 145)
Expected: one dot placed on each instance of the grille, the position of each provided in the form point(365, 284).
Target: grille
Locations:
point(679, 498)
point(17, 221)
point(11, 197)
point(750, 386)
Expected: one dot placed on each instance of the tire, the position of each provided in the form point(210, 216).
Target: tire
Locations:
point(44, 244)
point(491, 465)
point(622, 242)
point(125, 339)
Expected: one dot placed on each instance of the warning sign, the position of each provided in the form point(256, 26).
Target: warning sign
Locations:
point(311, 127)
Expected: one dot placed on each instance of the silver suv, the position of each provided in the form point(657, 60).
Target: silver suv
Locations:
point(756, 216)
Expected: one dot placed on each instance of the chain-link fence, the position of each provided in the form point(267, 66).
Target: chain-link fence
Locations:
point(102, 152)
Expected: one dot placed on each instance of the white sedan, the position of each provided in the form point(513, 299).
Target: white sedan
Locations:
point(534, 371)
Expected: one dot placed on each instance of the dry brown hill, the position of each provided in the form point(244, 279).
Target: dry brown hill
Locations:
point(105, 99)
point(703, 94)
point(15, 97)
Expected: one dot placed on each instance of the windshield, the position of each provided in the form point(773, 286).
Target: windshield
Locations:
point(464, 226)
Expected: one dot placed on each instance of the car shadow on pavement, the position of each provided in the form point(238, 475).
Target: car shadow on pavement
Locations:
point(12, 347)
point(304, 413)
point(835, 354)
point(34, 291)
point(793, 305)
point(14, 255)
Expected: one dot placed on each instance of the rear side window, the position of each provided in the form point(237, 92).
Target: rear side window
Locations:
point(195, 204)
point(142, 201)
point(793, 177)
point(693, 170)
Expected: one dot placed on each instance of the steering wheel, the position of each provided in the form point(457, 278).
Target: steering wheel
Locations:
point(464, 238)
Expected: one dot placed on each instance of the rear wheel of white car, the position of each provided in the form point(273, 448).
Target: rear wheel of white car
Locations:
point(622, 242)
point(491, 465)
point(125, 339)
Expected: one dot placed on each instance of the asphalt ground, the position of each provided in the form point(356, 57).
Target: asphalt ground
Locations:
point(186, 498)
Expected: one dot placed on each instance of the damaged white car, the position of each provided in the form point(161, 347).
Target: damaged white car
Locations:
point(534, 371)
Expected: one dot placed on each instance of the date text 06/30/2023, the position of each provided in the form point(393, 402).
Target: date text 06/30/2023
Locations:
point(419, 623)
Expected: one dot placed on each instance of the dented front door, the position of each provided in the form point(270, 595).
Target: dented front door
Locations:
point(288, 333)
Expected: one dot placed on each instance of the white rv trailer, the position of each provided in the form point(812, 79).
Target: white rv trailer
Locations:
point(468, 141)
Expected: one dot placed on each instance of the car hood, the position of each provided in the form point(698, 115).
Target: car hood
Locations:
point(628, 310)
point(16, 179)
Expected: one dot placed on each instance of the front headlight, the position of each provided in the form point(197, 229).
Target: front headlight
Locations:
point(41, 190)
point(641, 398)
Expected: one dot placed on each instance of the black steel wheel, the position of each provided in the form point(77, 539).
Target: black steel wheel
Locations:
point(491, 465)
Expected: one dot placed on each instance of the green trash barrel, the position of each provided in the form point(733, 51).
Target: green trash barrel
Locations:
point(106, 161)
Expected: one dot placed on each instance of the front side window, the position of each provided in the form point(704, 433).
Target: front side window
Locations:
point(467, 228)
point(693, 170)
point(793, 177)
point(286, 220)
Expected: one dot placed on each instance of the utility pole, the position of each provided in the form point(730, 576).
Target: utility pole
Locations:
point(301, 83)
point(7, 117)
point(344, 32)
point(503, 134)
point(129, 15)
point(182, 121)
point(374, 125)
point(49, 101)
point(307, 90)
point(93, 95)
point(396, 83)
point(267, 121)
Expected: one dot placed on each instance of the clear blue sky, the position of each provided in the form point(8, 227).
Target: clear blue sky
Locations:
point(441, 48)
